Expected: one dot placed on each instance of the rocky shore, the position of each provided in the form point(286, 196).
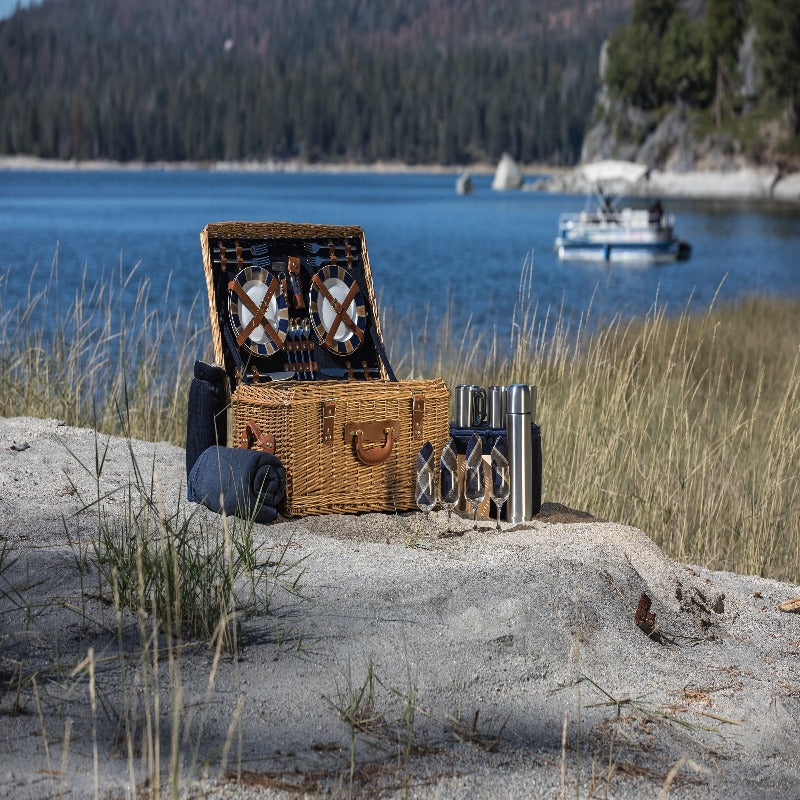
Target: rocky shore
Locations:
point(745, 183)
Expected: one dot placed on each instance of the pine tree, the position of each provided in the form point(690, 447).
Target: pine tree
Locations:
point(778, 45)
point(724, 26)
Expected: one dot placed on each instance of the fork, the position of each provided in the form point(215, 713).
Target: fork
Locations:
point(338, 245)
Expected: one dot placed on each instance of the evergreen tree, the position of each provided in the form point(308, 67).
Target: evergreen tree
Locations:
point(778, 46)
point(635, 57)
point(724, 26)
point(413, 80)
point(680, 73)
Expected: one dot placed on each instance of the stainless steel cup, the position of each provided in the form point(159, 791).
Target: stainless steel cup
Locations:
point(496, 401)
point(463, 406)
point(470, 401)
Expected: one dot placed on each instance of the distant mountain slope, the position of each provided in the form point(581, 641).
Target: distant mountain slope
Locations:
point(426, 81)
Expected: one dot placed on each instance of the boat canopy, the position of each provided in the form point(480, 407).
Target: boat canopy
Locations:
point(612, 170)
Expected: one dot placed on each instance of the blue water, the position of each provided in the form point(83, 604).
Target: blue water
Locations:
point(426, 243)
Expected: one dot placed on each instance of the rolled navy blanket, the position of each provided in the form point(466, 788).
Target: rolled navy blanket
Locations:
point(206, 422)
point(242, 483)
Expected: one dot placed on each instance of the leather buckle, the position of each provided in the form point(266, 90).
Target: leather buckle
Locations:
point(254, 439)
point(328, 416)
point(417, 416)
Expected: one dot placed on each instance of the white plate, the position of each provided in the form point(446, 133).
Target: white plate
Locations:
point(338, 283)
point(255, 282)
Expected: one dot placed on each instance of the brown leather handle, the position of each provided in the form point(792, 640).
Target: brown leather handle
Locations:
point(254, 439)
point(373, 441)
point(373, 453)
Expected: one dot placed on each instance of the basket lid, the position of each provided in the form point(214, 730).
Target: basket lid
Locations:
point(291, 299)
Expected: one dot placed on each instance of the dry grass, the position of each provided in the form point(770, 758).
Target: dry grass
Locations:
point(687, 427)
point(109, 348)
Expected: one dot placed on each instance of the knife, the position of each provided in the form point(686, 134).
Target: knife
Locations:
point(278, 376)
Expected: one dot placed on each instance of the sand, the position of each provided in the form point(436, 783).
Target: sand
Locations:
point(505, 664)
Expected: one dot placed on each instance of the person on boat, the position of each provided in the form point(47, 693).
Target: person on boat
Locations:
point(656, 212)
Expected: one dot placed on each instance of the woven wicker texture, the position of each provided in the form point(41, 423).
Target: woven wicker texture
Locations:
point(327, 477)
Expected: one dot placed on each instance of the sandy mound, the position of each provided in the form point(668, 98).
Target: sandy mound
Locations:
point(478, 664)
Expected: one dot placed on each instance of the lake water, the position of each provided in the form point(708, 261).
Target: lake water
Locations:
point(427, 244)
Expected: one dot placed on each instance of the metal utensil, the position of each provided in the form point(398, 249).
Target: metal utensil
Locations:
point(273, 376)
point(314, 262)
point(307, 353)
point(316, 248)
point(340, 372)
point(291, 350)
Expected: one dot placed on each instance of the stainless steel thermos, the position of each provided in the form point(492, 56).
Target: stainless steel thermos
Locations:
point(519, 417)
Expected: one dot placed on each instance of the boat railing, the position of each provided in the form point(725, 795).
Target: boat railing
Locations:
point(627, 217)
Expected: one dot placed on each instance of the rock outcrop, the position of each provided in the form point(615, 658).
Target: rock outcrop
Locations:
point(508, 175)
point(669, 142)
point(677, 139)
point(464, 184)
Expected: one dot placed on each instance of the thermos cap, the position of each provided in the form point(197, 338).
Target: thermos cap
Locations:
point(519, 399)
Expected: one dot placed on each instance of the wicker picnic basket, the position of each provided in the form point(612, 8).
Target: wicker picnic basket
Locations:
point(350, 443)
point(319, 429)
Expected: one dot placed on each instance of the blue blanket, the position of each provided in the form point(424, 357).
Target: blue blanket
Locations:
point(242, 483)
point(206, 422)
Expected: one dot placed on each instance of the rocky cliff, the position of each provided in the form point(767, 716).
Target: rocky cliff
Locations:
point(680, 137)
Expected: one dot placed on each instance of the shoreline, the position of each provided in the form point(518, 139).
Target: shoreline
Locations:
point(745, 183)
point(20, 163)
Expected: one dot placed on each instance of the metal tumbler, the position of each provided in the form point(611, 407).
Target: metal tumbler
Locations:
point(496, 400)
point(470, 406)
point(520, 452)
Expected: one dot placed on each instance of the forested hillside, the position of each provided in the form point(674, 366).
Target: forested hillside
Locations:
point(712, 84)
point(419, 81)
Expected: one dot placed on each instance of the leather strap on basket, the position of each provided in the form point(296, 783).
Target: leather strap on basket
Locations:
point(372, 441)
point(417, 415)
point(258, 312)
point(294, 273)
point(254, 439)
point(341, 311)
